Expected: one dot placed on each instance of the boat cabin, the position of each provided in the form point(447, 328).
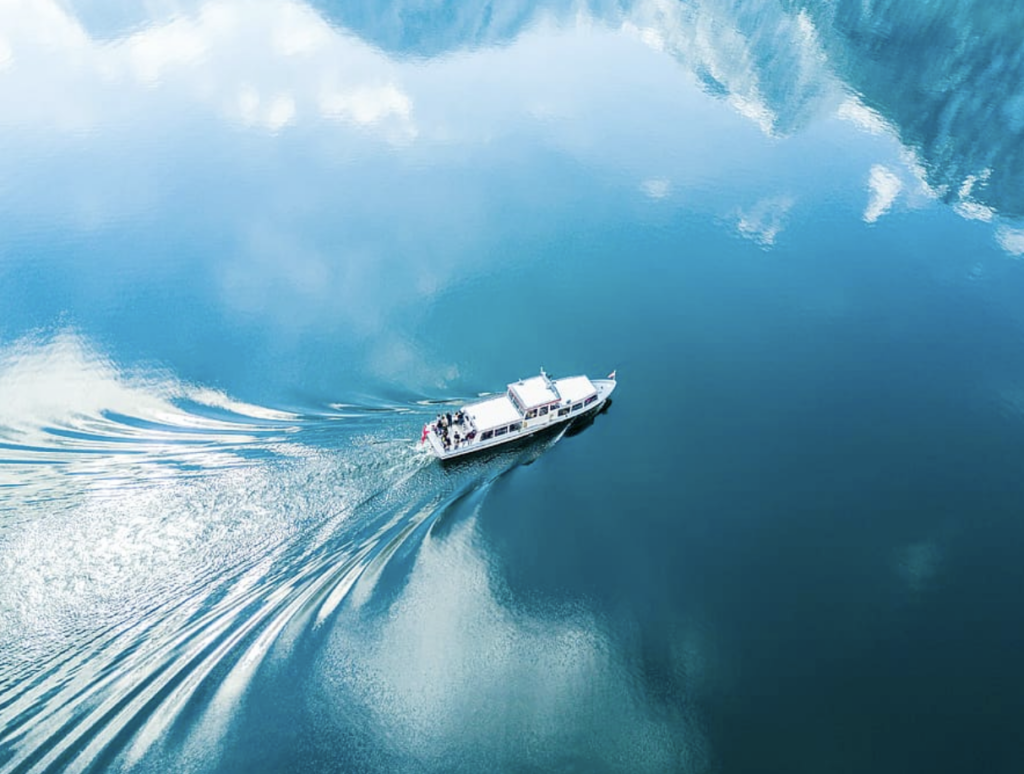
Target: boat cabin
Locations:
point(494, 417)
point(577, 393)
point(529, 405)
point(534, 397)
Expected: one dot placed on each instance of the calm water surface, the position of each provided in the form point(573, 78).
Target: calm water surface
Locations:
point(248, 249)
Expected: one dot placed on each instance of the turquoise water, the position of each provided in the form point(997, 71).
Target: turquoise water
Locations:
point(248, 249)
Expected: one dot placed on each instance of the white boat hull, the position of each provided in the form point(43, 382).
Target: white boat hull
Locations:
point(530, 427)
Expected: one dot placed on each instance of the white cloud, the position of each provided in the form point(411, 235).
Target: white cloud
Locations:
point(649, 36)
point(763, 222)
point(248, 103)
point(280, 112)
point(972, 210)
point(180, 44)
point(727, 47)
point(752, 106)
point(885, 186)
point(656, 187)
point(854, 111)
point(968, 207)
point(273, 114)
point(366, 106)
point(920, 189)
point(422, 674)
point(294, 35)
point(1011, 240)
point(264, 66)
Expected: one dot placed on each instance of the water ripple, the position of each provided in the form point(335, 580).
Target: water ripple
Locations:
point(161, 540)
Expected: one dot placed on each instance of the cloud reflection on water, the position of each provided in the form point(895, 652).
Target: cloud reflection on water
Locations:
point(281, 66)
point(455, 677)
point(333, 188)
point(267, 65)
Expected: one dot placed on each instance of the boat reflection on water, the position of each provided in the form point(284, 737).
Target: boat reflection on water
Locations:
point(585, 422)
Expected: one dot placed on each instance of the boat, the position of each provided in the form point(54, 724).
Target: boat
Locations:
point(527, 407)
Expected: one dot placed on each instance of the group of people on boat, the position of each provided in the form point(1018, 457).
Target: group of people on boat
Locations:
point(454, 429)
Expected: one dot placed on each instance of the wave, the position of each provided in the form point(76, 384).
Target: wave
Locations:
point(162, 539)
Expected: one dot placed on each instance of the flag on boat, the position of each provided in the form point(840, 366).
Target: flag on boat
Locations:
point(611, 375)
point(425, 431)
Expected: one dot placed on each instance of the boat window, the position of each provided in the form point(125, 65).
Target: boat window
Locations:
point(500, 431)
point(486, 434)
point(589, 400)
point(577, 406)
point(515, 426)
point(531, 413)
point(563, 411)
point(543, 410)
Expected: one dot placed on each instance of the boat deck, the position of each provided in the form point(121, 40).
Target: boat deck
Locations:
point(525, 410)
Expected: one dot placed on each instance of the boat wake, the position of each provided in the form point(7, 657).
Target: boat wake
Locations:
point(158, 541)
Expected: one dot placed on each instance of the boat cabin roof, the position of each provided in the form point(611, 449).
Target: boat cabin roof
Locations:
point(574, 388)
point(492, 413)
point(533, 392)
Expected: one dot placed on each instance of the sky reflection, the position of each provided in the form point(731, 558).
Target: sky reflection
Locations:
point(346, 164)
point(247, 247)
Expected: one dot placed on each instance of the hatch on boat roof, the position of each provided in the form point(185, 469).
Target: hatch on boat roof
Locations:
point(574, 388)
point(496, 412)
point(533, 392)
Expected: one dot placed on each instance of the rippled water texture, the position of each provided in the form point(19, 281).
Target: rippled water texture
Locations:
point(247, 249)
point(163, 542)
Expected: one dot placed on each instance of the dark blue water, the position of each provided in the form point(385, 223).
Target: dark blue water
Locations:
point(247, 250)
